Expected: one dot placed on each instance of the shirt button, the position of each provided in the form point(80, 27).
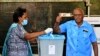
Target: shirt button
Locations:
point(76, 52)
point(77, 45)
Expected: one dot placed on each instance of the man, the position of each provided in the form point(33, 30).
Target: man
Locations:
point(80, 35)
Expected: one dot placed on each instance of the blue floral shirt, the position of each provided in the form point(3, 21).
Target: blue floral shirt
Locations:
point(79, 39)
point(16, 42)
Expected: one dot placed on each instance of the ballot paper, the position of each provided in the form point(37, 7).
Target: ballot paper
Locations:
point(51, 50)
point(65, 14)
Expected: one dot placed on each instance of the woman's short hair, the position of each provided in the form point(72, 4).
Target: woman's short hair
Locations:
point(18, 13)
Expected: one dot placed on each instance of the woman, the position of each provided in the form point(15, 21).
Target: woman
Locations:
point(16, 42)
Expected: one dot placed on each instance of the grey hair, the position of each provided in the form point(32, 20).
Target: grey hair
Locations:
point(80, 9)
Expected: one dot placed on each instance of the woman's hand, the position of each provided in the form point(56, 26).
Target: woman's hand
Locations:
point(48, 30)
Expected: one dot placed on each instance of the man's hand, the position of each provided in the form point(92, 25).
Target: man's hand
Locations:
point(58, 19)
point(48, 30)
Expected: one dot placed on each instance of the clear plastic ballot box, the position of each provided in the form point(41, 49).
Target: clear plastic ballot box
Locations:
point(51, 45)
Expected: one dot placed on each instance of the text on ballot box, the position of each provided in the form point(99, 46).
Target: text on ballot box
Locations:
point(51, 45)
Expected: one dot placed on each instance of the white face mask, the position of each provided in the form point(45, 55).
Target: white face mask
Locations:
point(25, 22)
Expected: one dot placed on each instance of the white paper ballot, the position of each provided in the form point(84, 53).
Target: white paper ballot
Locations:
point(51, 49)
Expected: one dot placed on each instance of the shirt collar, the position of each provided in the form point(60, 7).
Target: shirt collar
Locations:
point(83, 24)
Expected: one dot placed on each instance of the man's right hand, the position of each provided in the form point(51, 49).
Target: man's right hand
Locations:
point(59, 17)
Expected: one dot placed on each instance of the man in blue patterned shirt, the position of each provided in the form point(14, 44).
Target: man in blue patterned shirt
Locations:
point(80, 35)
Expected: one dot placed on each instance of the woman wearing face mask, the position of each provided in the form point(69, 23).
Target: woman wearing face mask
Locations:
point(16, 42)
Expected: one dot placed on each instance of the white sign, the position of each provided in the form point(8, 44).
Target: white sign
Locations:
point(92, 20)
point(51, 49)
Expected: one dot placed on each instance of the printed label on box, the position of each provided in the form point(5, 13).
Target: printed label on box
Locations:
point(51, 49)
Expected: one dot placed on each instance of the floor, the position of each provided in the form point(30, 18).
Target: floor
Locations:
point(33, 54)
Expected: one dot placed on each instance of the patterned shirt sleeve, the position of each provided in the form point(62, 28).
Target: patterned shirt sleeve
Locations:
point(63, 28)
point(93, 36)
point(20, 32)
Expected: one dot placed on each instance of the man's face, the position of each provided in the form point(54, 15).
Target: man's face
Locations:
point(78, 15)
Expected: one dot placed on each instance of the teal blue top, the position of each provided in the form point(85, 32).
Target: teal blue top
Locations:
point(6, 46)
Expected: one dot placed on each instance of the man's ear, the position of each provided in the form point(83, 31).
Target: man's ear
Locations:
point(72, 16)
